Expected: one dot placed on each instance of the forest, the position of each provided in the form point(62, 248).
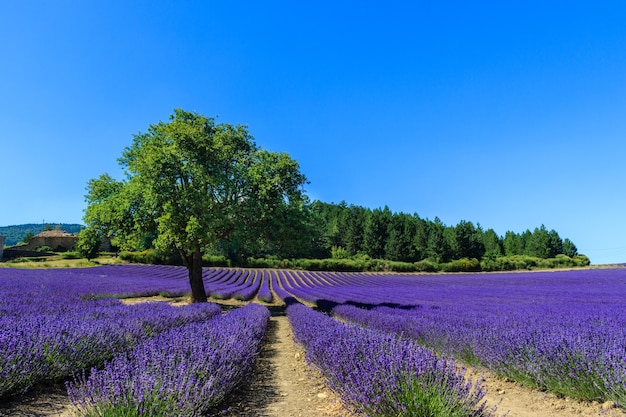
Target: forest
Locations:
point(381, 233)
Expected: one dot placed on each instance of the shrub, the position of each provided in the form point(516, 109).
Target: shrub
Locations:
point(151, 256)
point(338, 252)
point(401, 266)
point(462, 265)
point(427, 266)
point(215, 260)
point(581, 260)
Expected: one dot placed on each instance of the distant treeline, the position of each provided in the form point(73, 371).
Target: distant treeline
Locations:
point(343, 237)
point(17, 233)
point(348, 230)
point(367, 236)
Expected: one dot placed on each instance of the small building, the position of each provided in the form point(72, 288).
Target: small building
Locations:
point(58, 240)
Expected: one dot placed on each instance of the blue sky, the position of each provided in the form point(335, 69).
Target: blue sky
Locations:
point(507, 114)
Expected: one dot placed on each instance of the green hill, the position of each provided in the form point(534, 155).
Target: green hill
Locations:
point(15, 234)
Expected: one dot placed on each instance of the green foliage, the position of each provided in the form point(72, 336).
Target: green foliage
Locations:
point(71, 255)
point(27, 237)
point(151, 256)
point(462, 265)
point(25, 259)
point(508, 263)
point(438, 243)
point(376, 232)
point(581, 260)
point(520, 262)
point(427, 266)
point(355, 264)
point(195, 183)
point(492, 243)
point(338, 252)
point(467, 241)
point(215, 260)
point(205, 189)
point(89, 242)
point(425, 395)
point(569, 248)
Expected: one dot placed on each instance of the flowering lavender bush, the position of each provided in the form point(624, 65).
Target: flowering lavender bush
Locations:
point(380, 375)
point(48, 332)
point(50, 347)
point(181, 372)
point(565, 341)
point(560, 331)
point(250, 287)
point(265, 293)
point(276, 286)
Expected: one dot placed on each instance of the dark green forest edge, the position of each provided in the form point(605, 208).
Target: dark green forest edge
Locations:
point(341, 237)
point(344, 237)
point(202, 193)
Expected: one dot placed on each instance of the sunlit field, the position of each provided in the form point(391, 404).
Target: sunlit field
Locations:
point(388, 344)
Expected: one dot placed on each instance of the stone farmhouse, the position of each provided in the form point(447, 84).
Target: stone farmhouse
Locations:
point(58, 240)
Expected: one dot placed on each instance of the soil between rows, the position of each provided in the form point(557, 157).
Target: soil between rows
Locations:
point(284, 385)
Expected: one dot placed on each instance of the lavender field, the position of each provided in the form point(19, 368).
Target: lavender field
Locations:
point(388, 344)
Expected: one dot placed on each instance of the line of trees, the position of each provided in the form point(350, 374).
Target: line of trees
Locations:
point(382, 234)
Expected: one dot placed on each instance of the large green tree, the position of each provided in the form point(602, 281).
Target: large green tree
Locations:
point(193, 183)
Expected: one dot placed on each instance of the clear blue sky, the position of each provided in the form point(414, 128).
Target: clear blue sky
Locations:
point(507, 114)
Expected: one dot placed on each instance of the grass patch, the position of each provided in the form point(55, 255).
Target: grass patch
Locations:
point(58, 261)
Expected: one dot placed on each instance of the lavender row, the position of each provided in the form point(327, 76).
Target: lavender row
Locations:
point(184, 371)
point(561, 331)
point(243, 284)
point(265, 293)
point(47, 330)
point(607, 286)
point(49, 347)
point(380, 375)
point(579, 352)
point(54, 286)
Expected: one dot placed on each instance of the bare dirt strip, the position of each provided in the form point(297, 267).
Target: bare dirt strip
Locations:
point(283, 385)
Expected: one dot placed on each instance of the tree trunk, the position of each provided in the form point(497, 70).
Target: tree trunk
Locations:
point(198, 293)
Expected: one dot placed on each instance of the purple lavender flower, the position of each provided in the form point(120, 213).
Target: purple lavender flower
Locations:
point(183, 371)
point(381, 375)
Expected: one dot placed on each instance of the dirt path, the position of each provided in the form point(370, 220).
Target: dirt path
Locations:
point(519, 401)
point(283, 385)
point(50, 401)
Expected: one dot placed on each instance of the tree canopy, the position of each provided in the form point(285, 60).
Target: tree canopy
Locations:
point(382, 234)
point(192, 183)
